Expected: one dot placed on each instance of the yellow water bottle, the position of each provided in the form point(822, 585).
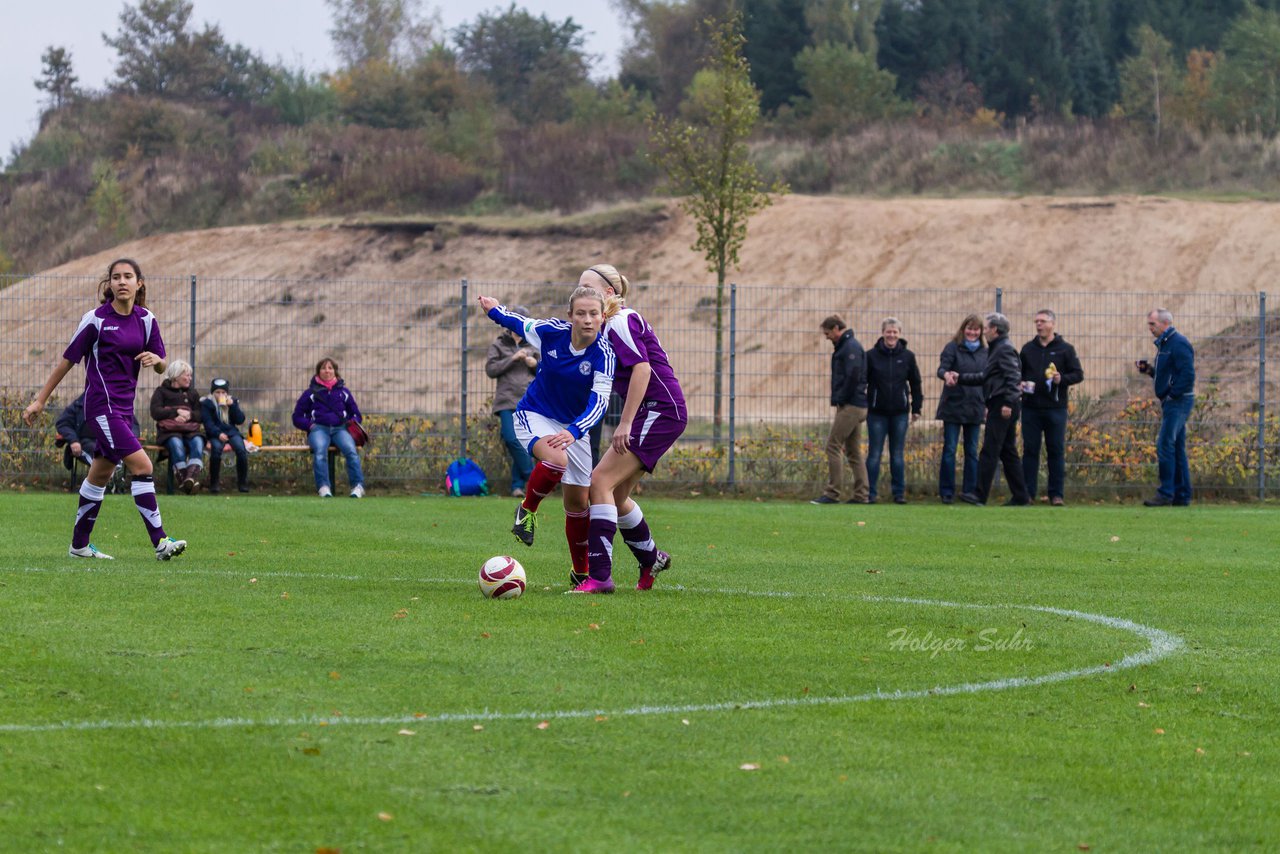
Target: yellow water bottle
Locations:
point(255, 432)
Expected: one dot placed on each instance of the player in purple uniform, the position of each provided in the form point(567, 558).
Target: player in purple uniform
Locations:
point(653, 417)
point(568, 395)
point(115, 341)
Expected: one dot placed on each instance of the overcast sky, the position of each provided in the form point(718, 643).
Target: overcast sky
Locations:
point(295, 31)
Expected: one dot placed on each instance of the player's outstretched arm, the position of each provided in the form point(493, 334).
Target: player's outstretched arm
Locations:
point(37, 406)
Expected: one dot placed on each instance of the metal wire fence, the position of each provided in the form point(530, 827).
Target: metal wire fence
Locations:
point(413, 354)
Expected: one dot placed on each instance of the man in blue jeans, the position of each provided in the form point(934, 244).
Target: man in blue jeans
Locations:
point(1049, 367)
point(1174, 373)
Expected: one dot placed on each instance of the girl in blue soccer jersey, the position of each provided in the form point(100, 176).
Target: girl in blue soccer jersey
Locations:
point(115, 341)
point(653, 418)
point(569, 394)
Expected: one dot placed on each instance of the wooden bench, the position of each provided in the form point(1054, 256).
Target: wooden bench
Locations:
point(162, 456)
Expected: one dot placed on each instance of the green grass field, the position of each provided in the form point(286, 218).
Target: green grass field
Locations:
point(317, 675)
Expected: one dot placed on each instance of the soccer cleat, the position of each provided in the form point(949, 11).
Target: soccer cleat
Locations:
point(593, 586)
point(576, 578)
point(170, 548)
point(647, 573)
point(88, 551)
point(526, 521)
point(325, 492)
point(357, 491)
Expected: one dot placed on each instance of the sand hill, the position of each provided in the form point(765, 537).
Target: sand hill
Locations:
point(1100, 262)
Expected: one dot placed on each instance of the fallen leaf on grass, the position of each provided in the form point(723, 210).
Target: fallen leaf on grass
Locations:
point(684, 721)
point(595, 627)
point(406, 732)
point(862, 524)
point(310, 751)
point(324, 849)
point(1084, 846)
point(1159, 731)
point(385, 816)
point(333, 674)
point(873, 572)
point(485, 634)
point(253, 581)
point(284, 595)
point(1142, 705)
point(749, 766)
point(1199, 751)
point(600, 718)
point(1115, 539)
point(544, 724)
point(477, 728)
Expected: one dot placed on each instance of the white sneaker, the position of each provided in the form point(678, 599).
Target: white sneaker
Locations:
point(170, 548)
point(326, 492)
point(88, 551)
point(357, 491)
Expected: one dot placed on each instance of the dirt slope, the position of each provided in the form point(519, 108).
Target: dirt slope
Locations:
point(1117, 243)
point(1101, 262)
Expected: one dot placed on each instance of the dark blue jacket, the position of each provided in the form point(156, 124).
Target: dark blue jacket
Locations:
point(893, 380)
point(961, 404)
point(213, 423)
point(1036, 358)
point(1175, 367)
point(848, 372)
point(329, 407)
point(1000, 377)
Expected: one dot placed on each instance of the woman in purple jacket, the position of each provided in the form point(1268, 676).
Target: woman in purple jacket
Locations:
point(322, 412)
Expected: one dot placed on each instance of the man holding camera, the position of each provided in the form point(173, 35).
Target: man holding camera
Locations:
point(1174, 373)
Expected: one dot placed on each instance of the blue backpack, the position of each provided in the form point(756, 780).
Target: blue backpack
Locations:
point(464, 477)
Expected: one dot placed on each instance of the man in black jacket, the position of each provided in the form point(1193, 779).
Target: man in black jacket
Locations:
point(849, 397)
point(1001, 386)
point(1049, 367)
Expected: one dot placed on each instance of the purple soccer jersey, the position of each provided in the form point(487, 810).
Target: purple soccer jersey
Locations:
point(634, 341)
point(109, 343)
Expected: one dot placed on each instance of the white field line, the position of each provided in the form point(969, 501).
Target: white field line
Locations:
point(1160, 645)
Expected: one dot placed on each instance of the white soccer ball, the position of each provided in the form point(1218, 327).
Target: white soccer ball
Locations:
point(502, 577)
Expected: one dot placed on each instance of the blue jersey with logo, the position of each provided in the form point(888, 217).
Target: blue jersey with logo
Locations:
point(571, 386)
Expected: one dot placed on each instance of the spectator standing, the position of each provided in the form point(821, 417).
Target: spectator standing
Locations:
point(1174, 373)
point(222, 416)
point(1049, 367)
point(512, 362)
point(961, 408)
point(894, 400)
point(175, 406)
point(849, 397)
point(1001, 387)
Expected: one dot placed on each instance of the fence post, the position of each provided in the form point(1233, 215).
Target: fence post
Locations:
point(193, 322)
point(1262, 395)
point(999, 300)
point(462, 447)
point(733, 374)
